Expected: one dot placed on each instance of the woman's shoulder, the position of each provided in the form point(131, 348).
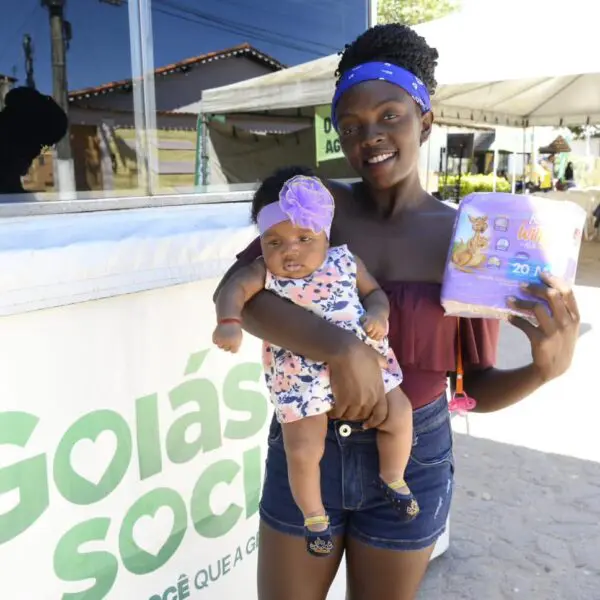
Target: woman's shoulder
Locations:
point(345, 195)
point(438, 214)
point(443, 207)
point(342, 192)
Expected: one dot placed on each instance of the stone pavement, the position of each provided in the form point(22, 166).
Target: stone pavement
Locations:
point(525, 524)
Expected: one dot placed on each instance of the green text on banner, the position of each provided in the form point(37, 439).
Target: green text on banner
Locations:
point(326, 137)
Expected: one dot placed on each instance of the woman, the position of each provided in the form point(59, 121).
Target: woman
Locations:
point(569, 176)
point(402, 234)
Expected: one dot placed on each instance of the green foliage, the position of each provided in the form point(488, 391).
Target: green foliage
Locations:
point(473, 183)
point(412, 12)
point(579, 132)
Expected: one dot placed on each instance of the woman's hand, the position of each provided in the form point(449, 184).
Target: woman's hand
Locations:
point(357, 384)
point(553, 340)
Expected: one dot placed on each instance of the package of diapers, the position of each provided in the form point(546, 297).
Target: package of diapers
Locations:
point(501, 241)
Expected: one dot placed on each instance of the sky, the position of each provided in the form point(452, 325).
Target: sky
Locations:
point(291, 31)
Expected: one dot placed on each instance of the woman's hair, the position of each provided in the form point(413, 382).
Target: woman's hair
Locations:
point(269, 189)
point(396, 44)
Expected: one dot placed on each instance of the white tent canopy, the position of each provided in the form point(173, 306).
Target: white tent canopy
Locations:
point(527, 63)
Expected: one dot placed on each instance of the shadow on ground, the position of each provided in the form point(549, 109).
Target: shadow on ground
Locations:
point(524, 524)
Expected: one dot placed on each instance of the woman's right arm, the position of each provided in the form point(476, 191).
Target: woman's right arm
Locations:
point(355, 367)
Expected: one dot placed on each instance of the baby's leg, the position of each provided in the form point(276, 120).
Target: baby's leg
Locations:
point(394, 442)
point(304, 442)
point(395, 437)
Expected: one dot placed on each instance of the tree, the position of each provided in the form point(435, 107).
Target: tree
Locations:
point(580, 132)
point(411, 12)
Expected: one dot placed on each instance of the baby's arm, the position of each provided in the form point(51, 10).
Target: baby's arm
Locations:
point(375, 302)
point(240, 288)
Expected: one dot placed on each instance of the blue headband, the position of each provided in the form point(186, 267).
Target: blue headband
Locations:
point(380, 71)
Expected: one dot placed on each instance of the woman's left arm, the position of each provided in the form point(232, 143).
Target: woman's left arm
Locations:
point(552, 347)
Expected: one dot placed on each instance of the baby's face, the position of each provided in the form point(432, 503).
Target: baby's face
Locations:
point(293, 252)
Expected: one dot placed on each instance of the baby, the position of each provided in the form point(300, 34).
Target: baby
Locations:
point(294, 220)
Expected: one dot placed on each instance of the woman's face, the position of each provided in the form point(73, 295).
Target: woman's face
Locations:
point(381, 131)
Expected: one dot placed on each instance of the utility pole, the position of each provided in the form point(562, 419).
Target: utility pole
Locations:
point(28, 49)
point(64, 168)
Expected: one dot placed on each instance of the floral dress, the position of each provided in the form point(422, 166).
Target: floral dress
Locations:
point(300, 387)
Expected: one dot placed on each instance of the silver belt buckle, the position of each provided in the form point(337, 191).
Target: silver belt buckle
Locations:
point(345, 430)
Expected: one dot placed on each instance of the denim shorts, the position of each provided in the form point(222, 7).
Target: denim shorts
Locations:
point(349, 473)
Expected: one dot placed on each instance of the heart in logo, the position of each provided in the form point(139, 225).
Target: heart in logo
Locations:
point(9, 501)
point(151, 532)
point(91, 458)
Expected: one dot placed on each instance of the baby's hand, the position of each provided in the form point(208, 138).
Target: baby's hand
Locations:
point(375, 326)
point(228, 336)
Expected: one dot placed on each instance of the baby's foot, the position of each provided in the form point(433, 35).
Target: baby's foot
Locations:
point(402, 499)
point(317, 533)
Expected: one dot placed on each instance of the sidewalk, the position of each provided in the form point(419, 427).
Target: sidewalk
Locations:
point(525, 524)
point(526, 514)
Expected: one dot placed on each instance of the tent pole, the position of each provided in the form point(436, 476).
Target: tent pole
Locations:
point(534, 157)
point(524, 160)
point(495, 168)
point(588, 148)
point(514, 172)
point(201, 168)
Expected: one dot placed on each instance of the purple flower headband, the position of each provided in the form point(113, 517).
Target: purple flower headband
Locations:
point(304, 201)
point(382, 71)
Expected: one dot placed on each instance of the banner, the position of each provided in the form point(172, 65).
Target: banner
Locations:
point(326, 138)
point(131, 451)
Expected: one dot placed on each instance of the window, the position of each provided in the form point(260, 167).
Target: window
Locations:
point(103, 98)
point(71, 145)
point(199, 46)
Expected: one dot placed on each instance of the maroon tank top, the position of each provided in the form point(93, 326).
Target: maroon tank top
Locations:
point(425, 341)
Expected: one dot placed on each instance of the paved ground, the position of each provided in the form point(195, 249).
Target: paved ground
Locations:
point(525, 524)
point(589, 264)
point(526, 516)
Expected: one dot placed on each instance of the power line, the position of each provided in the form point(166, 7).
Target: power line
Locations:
point(238, 29)
point(269, 32)
point(318, 5)
point(229, 30)
point(258, 33)
point(189, 15)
